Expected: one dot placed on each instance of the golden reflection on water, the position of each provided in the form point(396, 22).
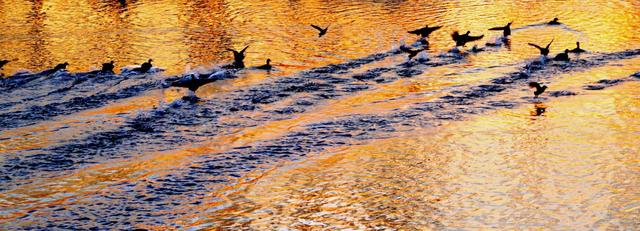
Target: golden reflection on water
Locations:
point(508, 169)
point(178, 34)
point(570, 169)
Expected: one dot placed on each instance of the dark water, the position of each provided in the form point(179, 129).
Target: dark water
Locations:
point(345, 133)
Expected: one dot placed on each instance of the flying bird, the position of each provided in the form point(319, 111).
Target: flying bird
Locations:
point(322, 31)
point(506, 30)
point(412, 53)
point(539, 89)
point(425, 31)
point(543, 50)
point(462, 39)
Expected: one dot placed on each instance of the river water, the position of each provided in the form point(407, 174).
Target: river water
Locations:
point(345, 133)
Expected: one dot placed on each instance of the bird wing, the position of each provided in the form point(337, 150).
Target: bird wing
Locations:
point(243, 50)
point(455, 35)
point(414, 31)
point(550, 43)
point(474, 38)
point(317, 28)
point(435, 28)
point(497, 28)
point(534, 45)
point(232, 50)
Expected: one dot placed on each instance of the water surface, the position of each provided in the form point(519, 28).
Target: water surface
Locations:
point(345, 133)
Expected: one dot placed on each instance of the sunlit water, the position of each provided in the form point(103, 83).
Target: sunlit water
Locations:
point(370, 142)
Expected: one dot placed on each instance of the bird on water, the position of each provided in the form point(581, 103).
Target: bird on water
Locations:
point(562, 56)
point(145, 67)
point(577, 49)
point(506, 30)
point(539, 88)
point(554, 22)
point(238, 57)
point(107, 67)
point(3, 62)
point(266, 66)
point(322, 31)
point(544, 51)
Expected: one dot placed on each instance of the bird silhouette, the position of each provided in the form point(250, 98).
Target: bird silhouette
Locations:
point(425, 31)
point(577, 49)
point(476, 49)
point(462, 39)
point(194, 83)
point(539, 89)
point(107, 67)
point(506, 30)
point(145, 67)
point(543, 50)
point(266, 66)
point(562, 56)
point(412, 53)
point(554, 22)
point(238, 57)
point(3, 62)
point(61, 66)
point(322, 31)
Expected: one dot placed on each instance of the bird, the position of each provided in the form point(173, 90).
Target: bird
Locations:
point(322, 31)
point(476, 49)
point(61, 66)
point(539, 89)
point(107, 67)
point(3, 62)
point(193, 82)
point(238, 57)
point(577, 49)
point(562, 56)
point(554, 22)
point(463, 39)
point(266, 66)
point(506, 30)
point(425, 31)
point(412, 53)
point(544, 51)
point(144, 68)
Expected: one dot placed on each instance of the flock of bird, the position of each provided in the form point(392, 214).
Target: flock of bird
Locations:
point(238, 56)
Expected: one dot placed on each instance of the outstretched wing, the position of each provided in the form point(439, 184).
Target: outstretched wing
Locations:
point(497, 28)
point(317, 27)
point(414, 31)
point(534, 45)
point(243, 50)
point(548, 45)
point(232, 50)
point(435, 28)
point(474, 38)
point(455, 35)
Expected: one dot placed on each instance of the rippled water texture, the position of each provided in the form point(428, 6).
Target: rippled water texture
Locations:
point(345, 133)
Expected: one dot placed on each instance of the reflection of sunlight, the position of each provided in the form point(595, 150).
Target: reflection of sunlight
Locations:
point(557, 163)
point(511, 172)
point(196, 33)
